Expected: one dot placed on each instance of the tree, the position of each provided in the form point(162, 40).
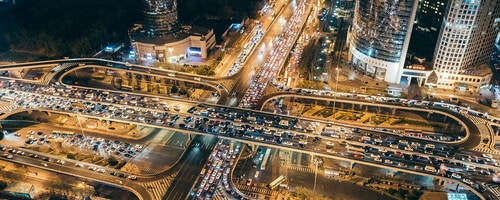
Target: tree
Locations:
point(3, 185)
point(112, 161)
point(414, 194)
point(182, 91)
point(174, 89)
point(70, 156)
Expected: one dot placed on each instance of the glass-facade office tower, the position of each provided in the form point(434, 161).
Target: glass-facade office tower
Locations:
point(380, 36)
point(160, 17)
point(428, 20)
point(466, 40)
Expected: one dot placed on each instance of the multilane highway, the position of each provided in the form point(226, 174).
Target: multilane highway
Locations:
point(37, 102)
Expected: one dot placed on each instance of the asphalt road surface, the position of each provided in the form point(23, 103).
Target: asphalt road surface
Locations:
point(189, 167)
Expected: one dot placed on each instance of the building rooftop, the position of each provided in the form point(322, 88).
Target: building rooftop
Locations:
point(481, 70)
point(140, 35)
point(199, 30)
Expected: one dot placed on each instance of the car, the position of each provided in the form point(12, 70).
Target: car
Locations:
point(487, 156)
point(456, 176)
point(132, 177)
point(467, 181)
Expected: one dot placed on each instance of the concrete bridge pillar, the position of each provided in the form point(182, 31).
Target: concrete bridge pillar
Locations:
point(341, 105)
point(366, 108)
point(30, 111)
point(429, 115)
point(394, 111)
point(352, 106)
point(393, 172)
point(445, 118)
point(251, 147)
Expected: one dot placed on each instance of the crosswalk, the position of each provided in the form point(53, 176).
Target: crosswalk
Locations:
point(486, 150)
point(259, 190)
point(476, 120)
point(486, 132)
point(220, 194)
point(299, 168)
point(494, 189)
point(7, 107)
point(207, 147)
point(159, 187)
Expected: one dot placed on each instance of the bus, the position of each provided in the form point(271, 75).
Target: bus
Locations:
point(276, 182)
point(63, 133)
point(352, 148)
point(264, 161)
point(328, 131)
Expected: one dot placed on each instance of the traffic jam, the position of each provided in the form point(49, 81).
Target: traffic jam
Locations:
point(254, 126)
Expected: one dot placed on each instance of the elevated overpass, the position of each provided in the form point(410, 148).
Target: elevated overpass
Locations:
point(261, 113)
point(221, 84)
point(310, 148)
point(58, 77)
point(473, 133)
point(135, 188)
point(311, 151)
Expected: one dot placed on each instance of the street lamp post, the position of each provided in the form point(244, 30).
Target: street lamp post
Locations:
point(79, 122)
point(315, 174)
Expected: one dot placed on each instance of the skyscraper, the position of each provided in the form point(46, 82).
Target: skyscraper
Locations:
point(428, 20)
point(380, 36)
point(160, 17)
point(465, 43)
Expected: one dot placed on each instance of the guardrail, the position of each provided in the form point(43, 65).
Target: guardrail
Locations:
point(379, 105)
point(272, 145)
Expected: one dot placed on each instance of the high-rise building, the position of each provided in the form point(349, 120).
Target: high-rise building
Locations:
point(160, 17)
point(162, 38)
point(428, 20)
point(465, 43)
point(380, 35)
